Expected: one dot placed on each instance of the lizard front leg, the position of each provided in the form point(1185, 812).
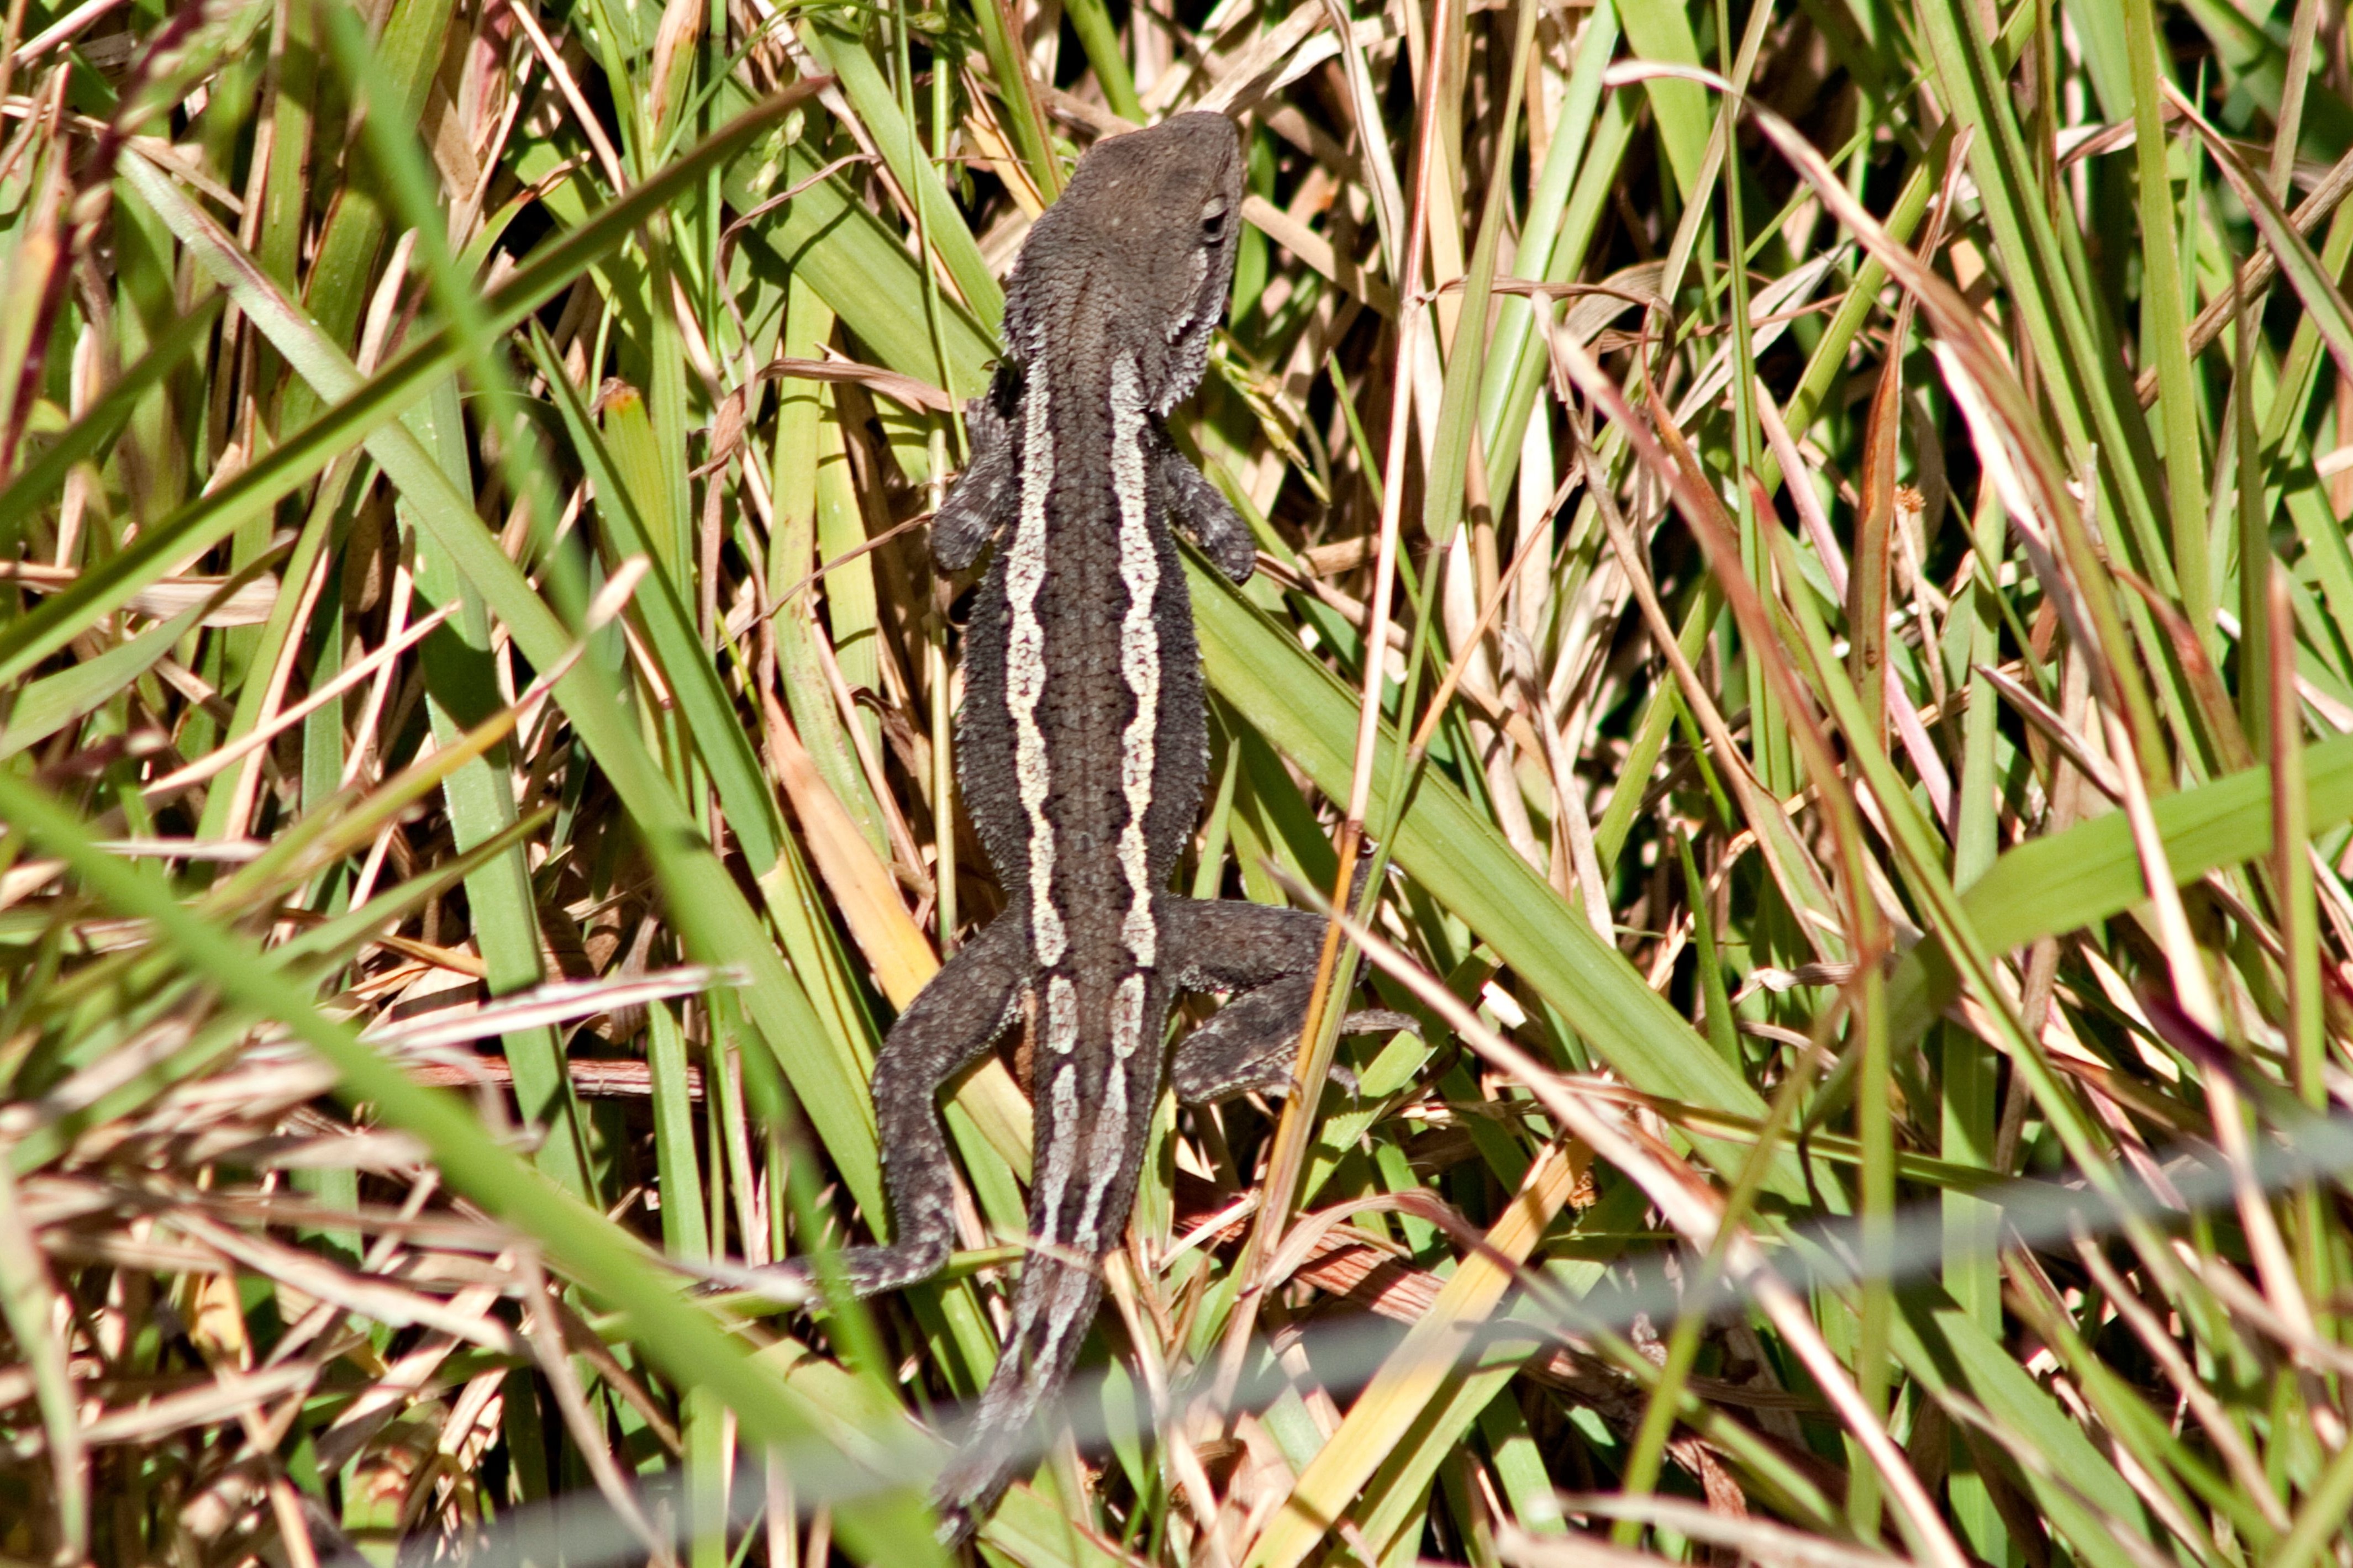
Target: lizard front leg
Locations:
point(968, 520)
point(1198, 512)
point(1265, 959)
point(951, 1023)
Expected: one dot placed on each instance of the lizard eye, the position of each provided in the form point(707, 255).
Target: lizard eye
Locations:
point(1213, 219)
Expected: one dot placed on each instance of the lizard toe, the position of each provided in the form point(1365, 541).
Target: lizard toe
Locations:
point(1378, 1021)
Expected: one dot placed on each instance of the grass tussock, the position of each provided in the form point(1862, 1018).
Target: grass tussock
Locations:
point(1836, 508)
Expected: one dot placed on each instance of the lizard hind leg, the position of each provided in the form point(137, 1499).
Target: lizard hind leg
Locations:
point(951, 1022)
point(1266, 959)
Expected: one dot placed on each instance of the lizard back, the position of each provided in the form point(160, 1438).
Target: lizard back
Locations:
point(1083, 744)
point(1082, 753)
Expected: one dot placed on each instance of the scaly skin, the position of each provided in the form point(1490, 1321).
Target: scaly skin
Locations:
point(1082, 752)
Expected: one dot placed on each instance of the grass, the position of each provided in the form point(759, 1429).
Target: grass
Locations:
point(1808, 540)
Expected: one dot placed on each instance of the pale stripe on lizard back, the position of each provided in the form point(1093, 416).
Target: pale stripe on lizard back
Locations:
point(1024, 666)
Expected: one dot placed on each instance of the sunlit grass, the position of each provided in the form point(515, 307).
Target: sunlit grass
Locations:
point(1851, 499)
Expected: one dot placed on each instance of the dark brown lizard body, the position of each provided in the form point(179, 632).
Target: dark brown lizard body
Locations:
point(1082, 750)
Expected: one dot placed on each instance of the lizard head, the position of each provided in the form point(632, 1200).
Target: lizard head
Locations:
point(1137, 255)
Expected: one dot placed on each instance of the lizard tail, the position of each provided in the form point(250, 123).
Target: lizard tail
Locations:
point(1052, 1307)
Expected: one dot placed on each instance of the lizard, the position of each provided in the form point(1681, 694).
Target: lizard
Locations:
point(1083, 751)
